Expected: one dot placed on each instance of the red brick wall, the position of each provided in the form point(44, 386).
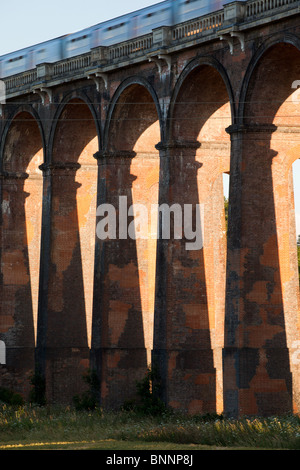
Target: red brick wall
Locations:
point(129, 168)
point(70, 284)
point(158, 138)
point(20, 240)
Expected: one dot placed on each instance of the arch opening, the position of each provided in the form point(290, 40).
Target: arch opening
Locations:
point(21, 198)
point(226, 184)
point(296, 180)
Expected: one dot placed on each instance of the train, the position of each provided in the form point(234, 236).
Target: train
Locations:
point(116, 30)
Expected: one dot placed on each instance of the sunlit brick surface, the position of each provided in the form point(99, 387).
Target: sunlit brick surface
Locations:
point(221, 322)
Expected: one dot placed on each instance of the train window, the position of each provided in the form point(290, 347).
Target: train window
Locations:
point(79, 39)
point(15, 59)
point(115, 26)
point(41, 54)
point(78, 43)
point(15, 62)
point(152, 14)
point(159, 12)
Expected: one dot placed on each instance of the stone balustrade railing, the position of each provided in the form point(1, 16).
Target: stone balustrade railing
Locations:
point(259, 7)
point(103, 59)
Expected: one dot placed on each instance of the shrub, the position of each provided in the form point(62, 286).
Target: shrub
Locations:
point(148, 401)
point(38, 392)
point(10, 397)
point(88, 400)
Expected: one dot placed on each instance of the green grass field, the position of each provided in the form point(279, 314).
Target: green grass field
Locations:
point(30, 427)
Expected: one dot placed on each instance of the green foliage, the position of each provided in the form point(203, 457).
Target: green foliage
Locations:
point(88, 400)
point(148, 401)
point(265, 433)
point(29, 425)
point(38, 392)
point(10, 397)
point(207, 417)
point(226, 212)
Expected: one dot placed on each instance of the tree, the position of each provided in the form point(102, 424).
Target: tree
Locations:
point(226, 212)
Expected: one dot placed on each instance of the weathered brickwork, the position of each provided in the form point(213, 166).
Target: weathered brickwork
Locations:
point(222, 321)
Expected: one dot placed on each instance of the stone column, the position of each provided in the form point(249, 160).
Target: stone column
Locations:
point(62, 347)
point(118, 338)
point(16, 315)
point(191, 278)
point(258, 370)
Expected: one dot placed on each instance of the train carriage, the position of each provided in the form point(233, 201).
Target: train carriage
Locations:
point(123, 28)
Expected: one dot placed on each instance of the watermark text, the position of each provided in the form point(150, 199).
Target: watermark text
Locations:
point(155, 223)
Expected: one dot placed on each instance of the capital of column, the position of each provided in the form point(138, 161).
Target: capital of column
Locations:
point(50, 168)
point(178, 144)
point(251, 128)
point(11, 175)
point(106, 156)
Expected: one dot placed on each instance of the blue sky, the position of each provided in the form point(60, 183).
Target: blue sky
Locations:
point(24, 23)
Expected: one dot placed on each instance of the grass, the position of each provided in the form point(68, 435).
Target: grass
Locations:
point(32, 427)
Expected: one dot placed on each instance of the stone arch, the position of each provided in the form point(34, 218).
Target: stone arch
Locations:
point(190, 68)
point(285, 38)
point(129, 176)
point(195, 155)
point(122, 90)
point(71, 175)
point(265, 324)
point(22, 153)
point(69, 97)
point(9, 119)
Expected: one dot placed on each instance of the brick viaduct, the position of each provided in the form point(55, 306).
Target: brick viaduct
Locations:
point(159, 119)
